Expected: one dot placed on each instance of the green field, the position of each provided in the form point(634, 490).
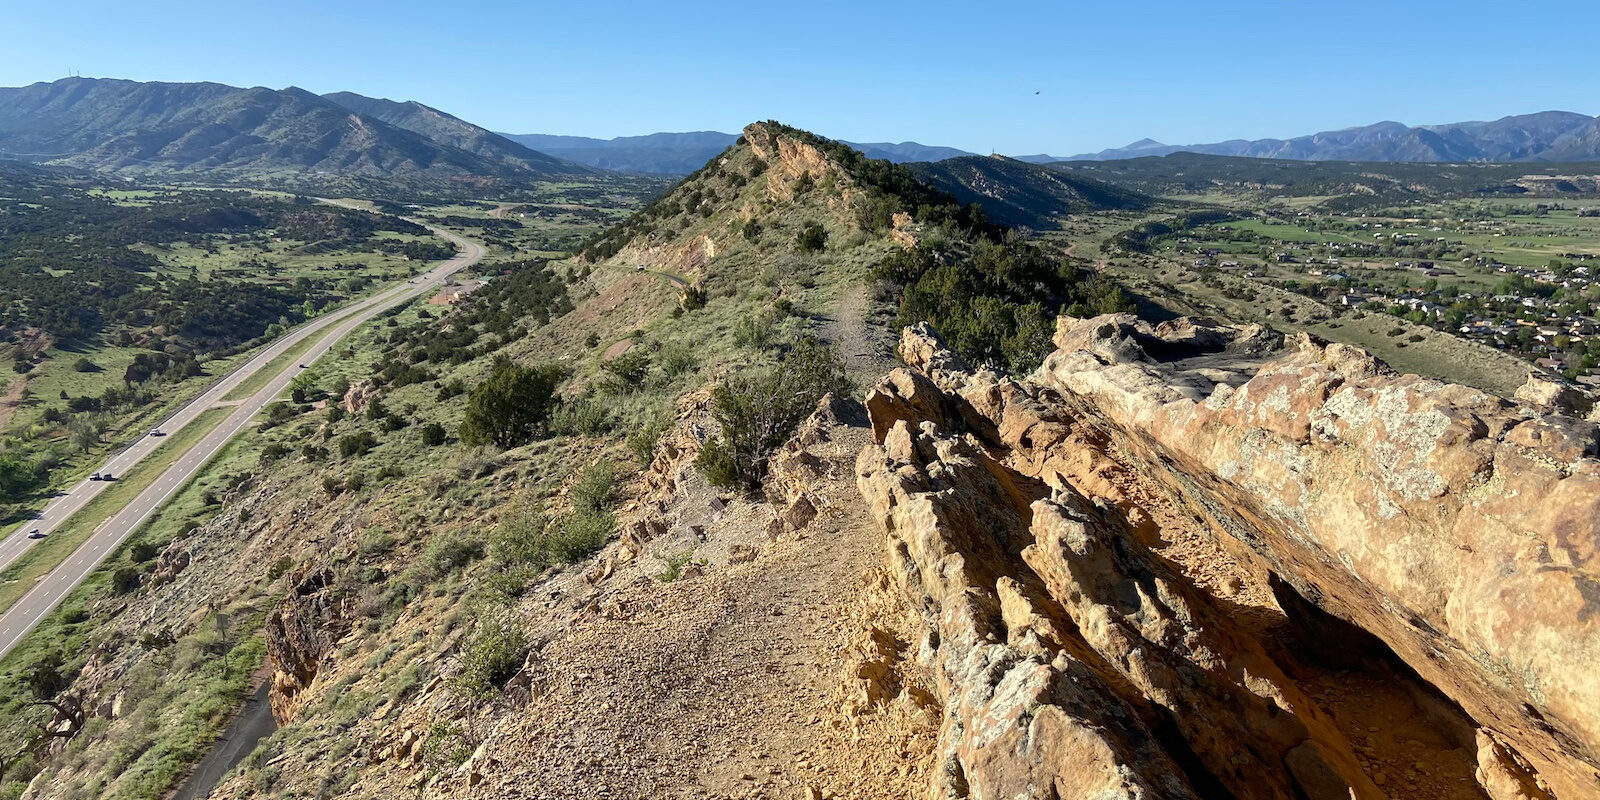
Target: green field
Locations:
point(275, 260)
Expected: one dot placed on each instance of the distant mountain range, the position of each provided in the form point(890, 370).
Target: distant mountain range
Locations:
point(683, 153)
point(1551, 136)
point(226, 131)
point(223, 130)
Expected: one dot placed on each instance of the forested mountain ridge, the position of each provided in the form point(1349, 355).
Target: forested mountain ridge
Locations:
point(447, 129)
point(225, 131)
point(1021, 194)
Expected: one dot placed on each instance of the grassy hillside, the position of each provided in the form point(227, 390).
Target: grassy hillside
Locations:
point(398, 553)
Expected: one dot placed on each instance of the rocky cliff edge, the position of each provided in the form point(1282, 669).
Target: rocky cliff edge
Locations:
point(1190, 560)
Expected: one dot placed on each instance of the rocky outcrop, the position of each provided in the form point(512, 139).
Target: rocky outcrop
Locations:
point(789, 158)
point(1457, 528)
point(173, 559)
point(357, 397)
point(300, 633)
point(1069, 665)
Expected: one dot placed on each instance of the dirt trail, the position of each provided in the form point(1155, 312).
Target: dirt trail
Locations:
point(12, 399)
point(726, 682)
point(867, 348)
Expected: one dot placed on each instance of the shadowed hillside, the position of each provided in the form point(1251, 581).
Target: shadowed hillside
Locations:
point(1021, 194)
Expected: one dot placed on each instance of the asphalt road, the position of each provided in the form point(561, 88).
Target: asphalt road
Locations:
point(327, 330)
point(253, 723)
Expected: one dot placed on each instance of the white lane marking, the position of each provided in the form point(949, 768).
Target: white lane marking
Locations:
point(349, 319)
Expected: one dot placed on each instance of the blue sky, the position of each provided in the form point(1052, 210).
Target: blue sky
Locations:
point(957, 74)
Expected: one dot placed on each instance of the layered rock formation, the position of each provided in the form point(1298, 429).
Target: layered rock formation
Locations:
point(300, 632)
point(1164, 564)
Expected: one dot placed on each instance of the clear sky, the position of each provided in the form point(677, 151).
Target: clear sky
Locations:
point(958, 74)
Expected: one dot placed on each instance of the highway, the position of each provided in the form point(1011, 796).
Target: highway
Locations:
point(328, 330)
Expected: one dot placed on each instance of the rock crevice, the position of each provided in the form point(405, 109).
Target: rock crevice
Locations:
point(1124, 521)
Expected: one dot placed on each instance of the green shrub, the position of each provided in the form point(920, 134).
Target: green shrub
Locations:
point(445, 748)
point(753, 331)
point(629, 369)
point(592, 491)
point(995, 301)
point(674, 359)
point(811, 238)
point(374, 541)
point(451, 550)
point(519, 537)
point(756, 414)
point(673, 569)
point(580, 416)
point(493, 653)
point(124, 580)
point(719, 464)
point(528, 537)
point(511, 407)
point(642, 440)
point(578, 535)
point(433, 434)
point(357, 444)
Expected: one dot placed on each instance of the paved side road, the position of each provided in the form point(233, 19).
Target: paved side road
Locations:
point(49, 590)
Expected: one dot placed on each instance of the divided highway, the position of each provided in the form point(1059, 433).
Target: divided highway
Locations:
point(328, 330)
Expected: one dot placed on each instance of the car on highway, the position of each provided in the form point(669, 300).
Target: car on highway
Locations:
point(95, 477)
point(35, 534)
point(157, 432)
